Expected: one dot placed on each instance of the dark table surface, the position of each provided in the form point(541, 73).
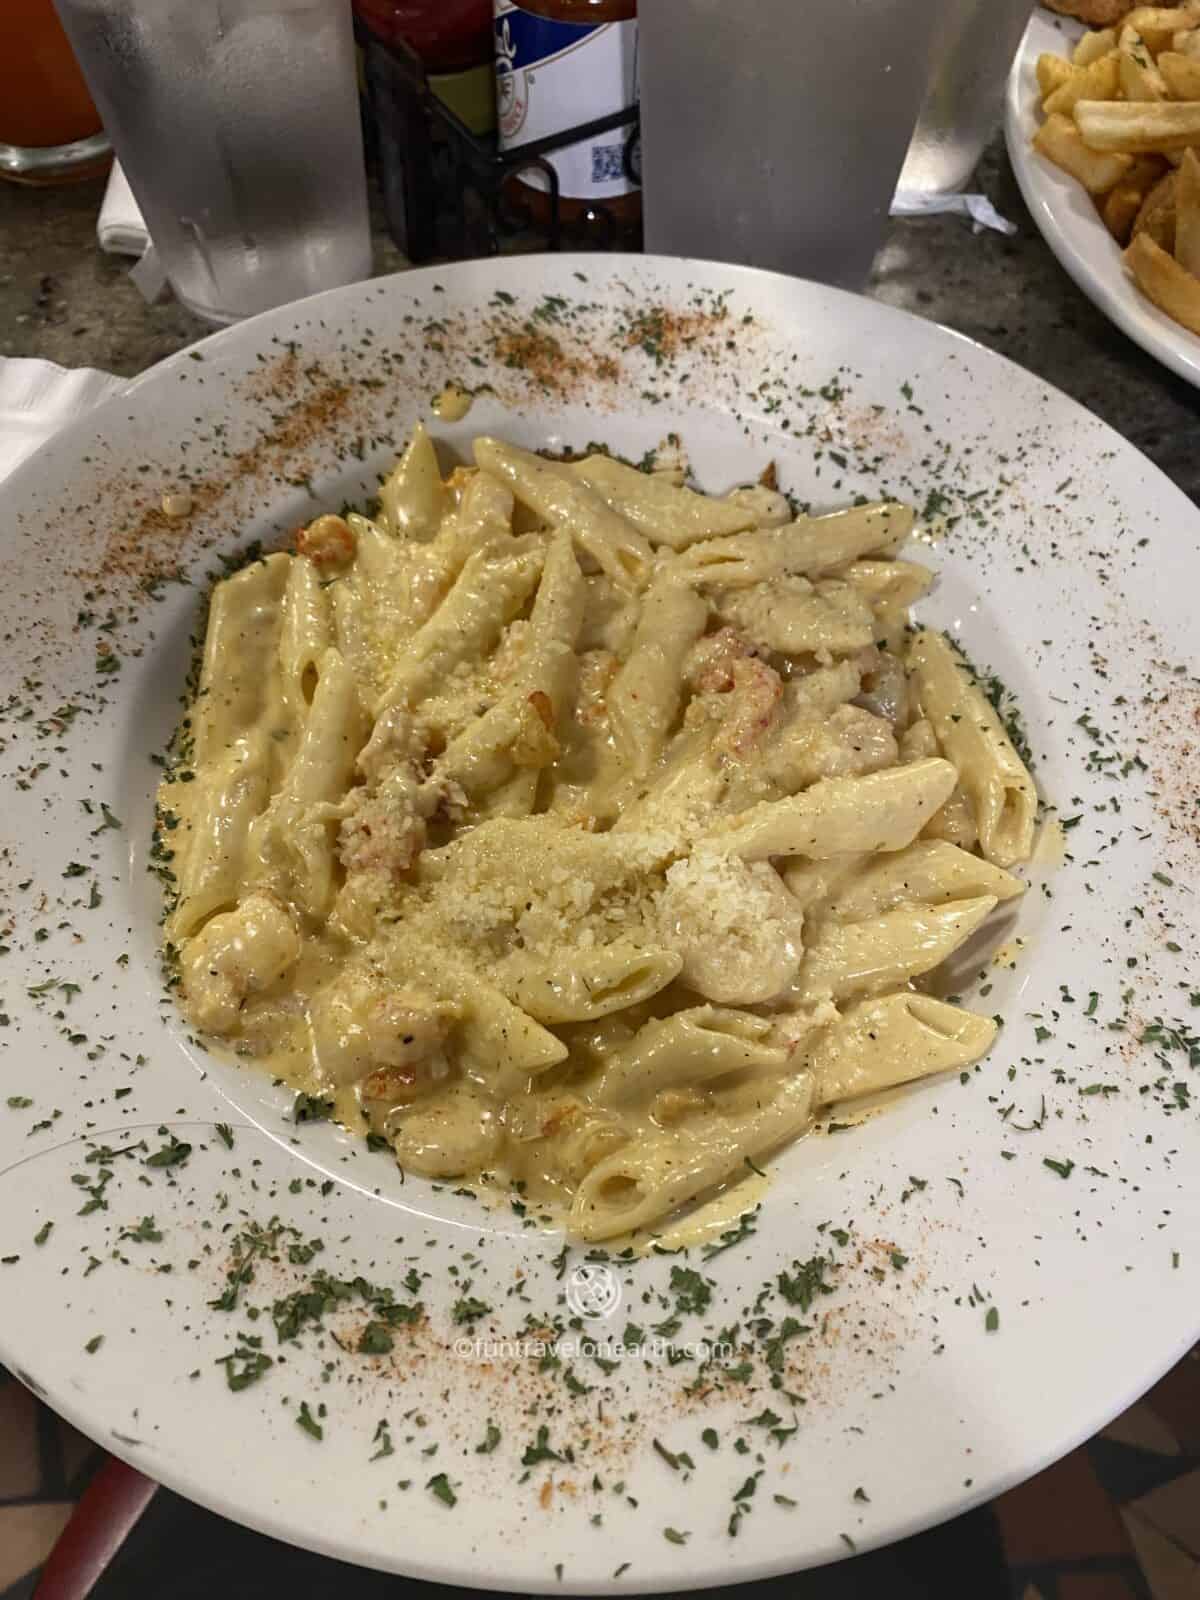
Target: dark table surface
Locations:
point(62, 300)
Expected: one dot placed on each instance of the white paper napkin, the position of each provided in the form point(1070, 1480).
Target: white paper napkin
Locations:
point(983, 214)
point(37, 398)
point(121, 231)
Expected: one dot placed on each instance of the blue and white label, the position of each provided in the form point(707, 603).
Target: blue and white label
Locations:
point(553, 75)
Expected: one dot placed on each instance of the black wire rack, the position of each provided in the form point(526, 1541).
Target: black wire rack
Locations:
point(448, 193)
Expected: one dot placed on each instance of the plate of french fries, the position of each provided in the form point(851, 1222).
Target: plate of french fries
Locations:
point(1103, 129)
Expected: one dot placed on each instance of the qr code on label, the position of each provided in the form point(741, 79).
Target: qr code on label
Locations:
point(608, 162)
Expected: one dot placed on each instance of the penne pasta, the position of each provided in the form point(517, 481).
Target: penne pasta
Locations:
point(488, 594)
point(664, 513)
point(691, 1047)
point(892, 1039)
point(645, 697)
point(520, 730)
point(306, 633)
point(606, 536)
point(994, 780)
point(645, 1180)
point(798, 617)
point(291, 843)
point(929, 872)
point(808, 548)
point(210, 838)
point(885, 951)
point(881, 811)
point(589, 986)
point(575, 830)
point(241, 646)
point(412, 499)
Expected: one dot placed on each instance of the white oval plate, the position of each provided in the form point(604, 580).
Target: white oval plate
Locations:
point(988, 1309)
point(1067, 218)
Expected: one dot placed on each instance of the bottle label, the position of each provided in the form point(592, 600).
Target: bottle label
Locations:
point(551, 76)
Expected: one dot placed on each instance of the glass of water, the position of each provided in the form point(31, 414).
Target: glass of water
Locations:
point(962, 108)
point(773, 133)
point(237, 125)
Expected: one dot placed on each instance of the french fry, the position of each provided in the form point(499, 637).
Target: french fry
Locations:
point(1138, 127)
point(1181, 74)
point(1156, 24)
point(1052, 72)
point(1122, 117)
point(1119, 209)
point(1060, 141)
point(1187, 214)
point(1099, 80)
point(1157, 215)
point(1121, 204)
point(1160, 277)
point(1095, 82)
point(1093, 45)
point(1140, 78)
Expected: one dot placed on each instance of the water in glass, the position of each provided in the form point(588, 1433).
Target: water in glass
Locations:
point(237, 124)
point(962, 108)
point(773, 133)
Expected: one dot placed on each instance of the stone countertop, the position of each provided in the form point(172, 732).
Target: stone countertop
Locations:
point(61, 299)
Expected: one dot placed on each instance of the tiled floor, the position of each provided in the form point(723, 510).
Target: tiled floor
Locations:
point(44, 1466)
point(1118, 1519)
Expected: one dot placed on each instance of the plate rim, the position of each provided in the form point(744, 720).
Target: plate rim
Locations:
point(750, 1570)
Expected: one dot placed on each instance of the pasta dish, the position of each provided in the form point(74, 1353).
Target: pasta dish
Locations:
point(561, 825)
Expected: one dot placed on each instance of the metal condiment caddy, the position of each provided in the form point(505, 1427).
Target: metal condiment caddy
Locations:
point(452, 194)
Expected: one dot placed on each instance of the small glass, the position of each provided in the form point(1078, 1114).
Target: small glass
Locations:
point(237, 125)
point(773, 133)
point(962, 108)
point(49, 129)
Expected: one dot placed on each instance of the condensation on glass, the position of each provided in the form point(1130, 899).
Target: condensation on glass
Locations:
point(773, 134)
point(962, 108)
point(237, 125)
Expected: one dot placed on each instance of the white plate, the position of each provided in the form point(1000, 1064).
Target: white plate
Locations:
point(1070, 567)
point(1067, 218)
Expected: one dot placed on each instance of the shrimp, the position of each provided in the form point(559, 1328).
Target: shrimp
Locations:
point(407, 1039)
point(753, 701)
point(236, 954)
point(327, 542)
point(392, 1043)
point(711, 661)
point(535, 744)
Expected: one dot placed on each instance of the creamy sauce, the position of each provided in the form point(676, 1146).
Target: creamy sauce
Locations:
point(709, 1220)
point(1050, 845)
point(454, 857)
point(452, 404)
point(865, 1107)
point(1010, 952)
point(176, 504)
